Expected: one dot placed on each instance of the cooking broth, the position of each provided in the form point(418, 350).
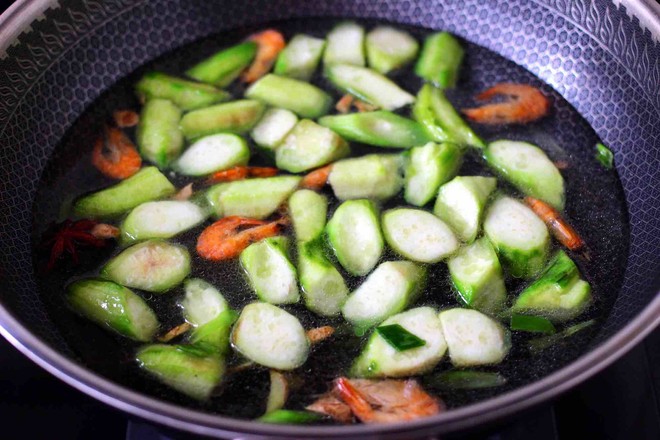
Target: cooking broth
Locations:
point(595, 205)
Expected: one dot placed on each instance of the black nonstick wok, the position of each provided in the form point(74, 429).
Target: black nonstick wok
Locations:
point(603, 58)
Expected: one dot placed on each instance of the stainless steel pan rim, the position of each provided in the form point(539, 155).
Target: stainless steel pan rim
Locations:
point(11, 24)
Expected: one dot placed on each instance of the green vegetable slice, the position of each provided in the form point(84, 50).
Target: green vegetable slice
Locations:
point(153, 265)
point(529, 169)
point(345, 45)
point(389, 48)
point(270, 336)
point(380, 359)
point(255, 198)
point(213, 336)
point(539, 344)
point(323, 287)
point(308, 146)
point(224, 67)
point(187, 95)
point(604, 155)
point(477, 276)
point(461, 202)
point(308, 211)
point(558, 294)
point(428, 167)
point(272, 128)
point(202, 302)
point(443, 122)
point(354, 234)
point(520, 237)
point(388, 290)
point(466, 380)
point(533, 324)
point(159, 134)
point(186, 368)
point(269, 271)
point(236, 117)
point(302, 98)
point(380, 128)
point(423, 113)
point(213, 153)
point(368, 85)
point(279, 391)
point(300, 57)
point(440, 60)
point(161, 219)
point(287, 416)
point(374, 176)
point(146, 185)
point(400, 338)
point(114, 307)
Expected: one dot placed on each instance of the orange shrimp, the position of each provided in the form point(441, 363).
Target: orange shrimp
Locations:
point(344, 104)
point(184, 193)
point(563, 232)
point(240, 173)
point(362, 106)
point(269, 44)
point(319, 334)
point(105, 231)
point(224, 240)
point(331, 406)
point(175, 332)
point(126, 118)
point(115, 155)
point(386, 400)
point(317, 178)
point(524, 104)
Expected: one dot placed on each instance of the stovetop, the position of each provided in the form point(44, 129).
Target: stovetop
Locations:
point(622, 402)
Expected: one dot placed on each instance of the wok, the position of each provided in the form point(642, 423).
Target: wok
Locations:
point(56, 58)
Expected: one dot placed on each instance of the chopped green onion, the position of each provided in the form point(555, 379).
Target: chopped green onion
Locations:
point(200, 351)
point(604, 156)
point(287, 416)
point(539, 344)
point(399, 338)
point(466, 380)
point(534, 324)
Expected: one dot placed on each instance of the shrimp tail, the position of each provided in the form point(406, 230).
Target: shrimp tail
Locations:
point(317, 179)
point(331, 406)
point(560, 228)
point(347, 101)
point(240, 173)
point(363, 107)
point(354, 399)
point(344, 104)
point(269, 44)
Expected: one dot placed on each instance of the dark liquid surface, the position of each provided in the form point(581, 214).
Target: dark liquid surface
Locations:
point(595, 206)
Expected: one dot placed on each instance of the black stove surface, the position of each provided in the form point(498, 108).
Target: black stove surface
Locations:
point(622, 402)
